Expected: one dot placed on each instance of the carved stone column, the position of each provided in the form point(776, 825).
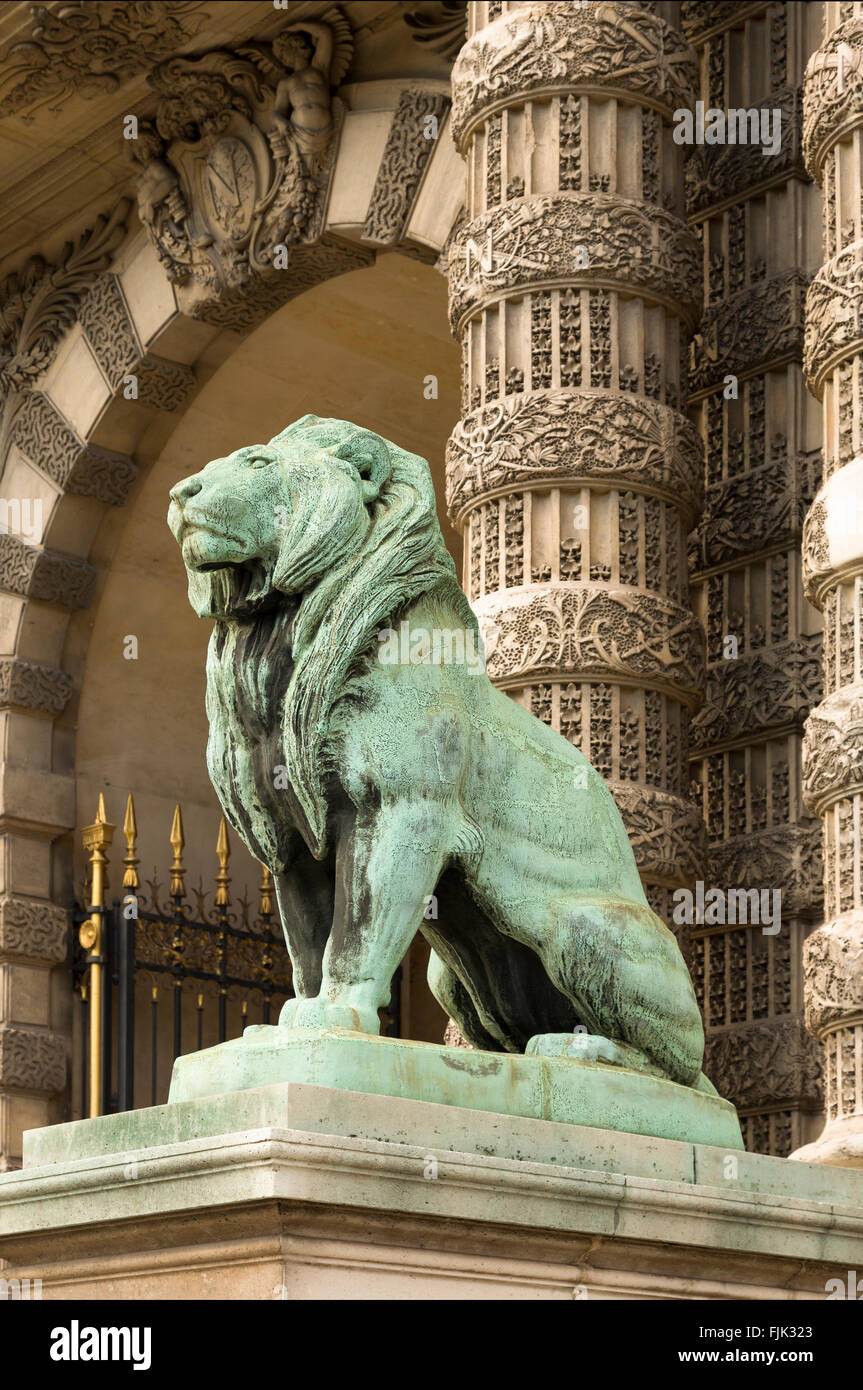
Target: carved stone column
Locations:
point(757, 217)
point(833, 573)
point(575, 476)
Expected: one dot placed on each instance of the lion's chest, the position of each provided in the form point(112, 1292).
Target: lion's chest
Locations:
point(249, 669)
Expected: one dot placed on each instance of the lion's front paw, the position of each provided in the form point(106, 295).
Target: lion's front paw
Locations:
point(328, 1013)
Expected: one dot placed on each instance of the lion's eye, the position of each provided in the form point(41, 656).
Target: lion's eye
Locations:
point(259, 462)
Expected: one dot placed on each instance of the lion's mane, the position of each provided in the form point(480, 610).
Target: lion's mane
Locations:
point(403, 557)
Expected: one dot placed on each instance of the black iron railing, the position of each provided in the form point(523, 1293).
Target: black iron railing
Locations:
point(159, 976)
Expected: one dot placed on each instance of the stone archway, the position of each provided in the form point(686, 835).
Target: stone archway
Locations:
point(107, 363)
point(361, 344)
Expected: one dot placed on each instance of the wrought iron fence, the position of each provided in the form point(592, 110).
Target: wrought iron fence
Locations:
point(156, 975)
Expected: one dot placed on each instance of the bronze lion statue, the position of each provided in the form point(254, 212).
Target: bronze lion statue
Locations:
point(375, 775)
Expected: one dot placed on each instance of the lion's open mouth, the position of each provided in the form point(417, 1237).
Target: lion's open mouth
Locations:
point(237, 586)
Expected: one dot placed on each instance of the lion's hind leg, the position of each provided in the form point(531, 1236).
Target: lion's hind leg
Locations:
point(455, 1001)
point(622, 968)
point(495, 988)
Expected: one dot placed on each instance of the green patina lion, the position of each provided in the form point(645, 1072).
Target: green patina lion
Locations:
point(360, 750)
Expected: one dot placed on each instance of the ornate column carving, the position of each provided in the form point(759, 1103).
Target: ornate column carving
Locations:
point(833, 574)
point(574, 287)
point(754, 213)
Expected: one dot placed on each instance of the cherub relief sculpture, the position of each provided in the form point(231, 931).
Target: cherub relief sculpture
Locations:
point(367, 786)
point(314, 57)
point(233, 165)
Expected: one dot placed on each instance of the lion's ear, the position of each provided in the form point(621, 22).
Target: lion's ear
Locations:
point(296, 428)
point(370, 456)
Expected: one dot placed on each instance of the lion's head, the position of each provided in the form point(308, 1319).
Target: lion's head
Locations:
point(328, 518)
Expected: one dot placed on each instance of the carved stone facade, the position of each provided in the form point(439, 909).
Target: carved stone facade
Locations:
point(235, 166)
point(575, 284)
point(41, 301)
point(833, 576)
point(593, 443)
point(760, 429)
point(406, 156)
point(90, 47)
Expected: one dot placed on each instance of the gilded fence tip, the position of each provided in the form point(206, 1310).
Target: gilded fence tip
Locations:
point(177, 842)
point(266, 891)
point(98, 836)
point(131, 882)
point(223, 878)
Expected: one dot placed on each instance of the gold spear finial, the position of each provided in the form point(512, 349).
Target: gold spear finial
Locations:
point(97, 839)
point(131, 882)
point(177, 843)
point(223, 878)
point(99, 835)
point(266, 889)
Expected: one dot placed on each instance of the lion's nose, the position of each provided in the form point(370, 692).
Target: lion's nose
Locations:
point(186, 489)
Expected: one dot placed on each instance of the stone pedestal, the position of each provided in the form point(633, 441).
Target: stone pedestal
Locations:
point(560, 1088)
point(304, 1192)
